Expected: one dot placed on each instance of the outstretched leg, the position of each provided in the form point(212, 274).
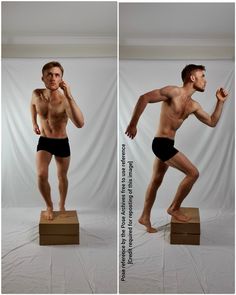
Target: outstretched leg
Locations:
point(181, 162)
point(43, 160)
point(62, 169)
point(159, 170)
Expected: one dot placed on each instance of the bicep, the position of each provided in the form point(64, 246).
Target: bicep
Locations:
point(156, 95)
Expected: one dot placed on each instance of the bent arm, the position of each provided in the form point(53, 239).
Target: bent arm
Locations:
point(210, 120)
point(72, 109)
point(221, 95)
point(74, 113)
point(153, 96)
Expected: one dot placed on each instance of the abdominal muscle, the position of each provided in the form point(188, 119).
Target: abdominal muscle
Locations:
point(53, 129)
point(168, 125)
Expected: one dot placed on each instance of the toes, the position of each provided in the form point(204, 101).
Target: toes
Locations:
point(152, 230)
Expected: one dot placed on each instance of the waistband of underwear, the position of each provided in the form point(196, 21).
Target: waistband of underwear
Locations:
point(54, 138)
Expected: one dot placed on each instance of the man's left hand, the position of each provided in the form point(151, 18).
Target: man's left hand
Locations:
point(66, 89)
point(221, 94)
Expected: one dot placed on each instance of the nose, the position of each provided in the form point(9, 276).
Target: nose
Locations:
point(52, 78)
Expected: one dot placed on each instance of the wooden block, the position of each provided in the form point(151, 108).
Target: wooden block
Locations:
point(62, 230)
point(186, 232)
point(58, 239)
point(185, 239)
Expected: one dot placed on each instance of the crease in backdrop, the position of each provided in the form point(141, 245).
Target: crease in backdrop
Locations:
point(159, 267)
point(28, 268)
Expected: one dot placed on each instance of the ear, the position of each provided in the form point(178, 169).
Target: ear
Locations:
point(42, 79)
point(192, 78)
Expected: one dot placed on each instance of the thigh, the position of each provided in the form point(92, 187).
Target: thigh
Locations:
point(43, 160)
point(62, 165)
point(181, 162)
point(159, 168)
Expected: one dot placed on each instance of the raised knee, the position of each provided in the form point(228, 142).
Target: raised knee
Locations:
point(194, 174)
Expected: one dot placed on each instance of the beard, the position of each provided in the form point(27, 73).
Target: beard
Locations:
point(199, 89)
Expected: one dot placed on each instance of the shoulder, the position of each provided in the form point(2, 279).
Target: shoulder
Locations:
point(38, 92)
point(37, 96)
point(171, 91)
point(62, 98)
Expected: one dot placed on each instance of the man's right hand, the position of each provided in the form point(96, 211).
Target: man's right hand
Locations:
point(131, 131)
point(36, 129)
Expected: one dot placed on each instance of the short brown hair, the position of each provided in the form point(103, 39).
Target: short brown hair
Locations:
point(187, 71)
point(52, 64)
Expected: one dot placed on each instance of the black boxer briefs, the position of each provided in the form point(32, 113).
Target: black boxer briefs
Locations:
point(56, 146)
point(163, 148)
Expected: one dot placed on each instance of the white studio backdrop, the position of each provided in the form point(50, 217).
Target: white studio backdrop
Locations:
point(210, 149)
point(92, 173)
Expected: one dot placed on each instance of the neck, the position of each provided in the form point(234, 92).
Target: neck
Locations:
point(188, 88)
point(51, 93)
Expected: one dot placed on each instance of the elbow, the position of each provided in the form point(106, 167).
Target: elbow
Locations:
point(212, 124)
point(80, 124)
point(144, 98)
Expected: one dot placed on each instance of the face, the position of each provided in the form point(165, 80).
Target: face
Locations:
point(199, 80)
point(52, 78)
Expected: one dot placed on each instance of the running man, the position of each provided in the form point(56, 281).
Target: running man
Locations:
point(177, 105)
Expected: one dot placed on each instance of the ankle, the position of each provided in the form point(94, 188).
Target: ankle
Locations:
point(50, 206)
point(174, 208)
point(145, 216)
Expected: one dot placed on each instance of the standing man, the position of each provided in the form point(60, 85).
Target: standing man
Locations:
point(53, 107)
point(177, 105)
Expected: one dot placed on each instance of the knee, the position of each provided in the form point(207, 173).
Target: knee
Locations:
point(157, 180)
point(42, 176)
point(194, 174)
point(62, 177)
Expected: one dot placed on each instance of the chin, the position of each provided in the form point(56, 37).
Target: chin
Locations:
point(199, 89)
point(52, 88)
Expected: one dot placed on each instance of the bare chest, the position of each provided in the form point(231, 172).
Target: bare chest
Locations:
point(54, 109)
point(180, 108)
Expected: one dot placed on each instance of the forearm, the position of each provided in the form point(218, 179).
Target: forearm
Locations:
point(217, 113)
point(33, 115)
point(138, 110)
point(76, 114)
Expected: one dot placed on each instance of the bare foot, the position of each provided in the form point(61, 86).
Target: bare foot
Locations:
point(178, 215)
point(49, 213)
point(147, 223)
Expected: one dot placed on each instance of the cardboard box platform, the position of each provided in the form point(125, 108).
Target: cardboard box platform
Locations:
point(62, 230)
point(186, 233)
